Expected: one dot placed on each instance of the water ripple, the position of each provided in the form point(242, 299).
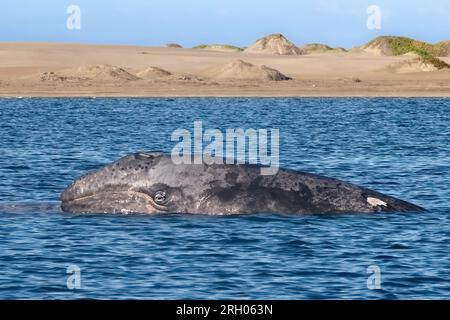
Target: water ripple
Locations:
point(397, 146)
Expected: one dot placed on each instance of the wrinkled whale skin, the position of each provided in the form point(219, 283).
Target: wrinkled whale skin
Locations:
point(152, 183)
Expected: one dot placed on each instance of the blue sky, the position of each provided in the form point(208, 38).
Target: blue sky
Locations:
point(239, 22)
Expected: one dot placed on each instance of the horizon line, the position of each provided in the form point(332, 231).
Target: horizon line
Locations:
point(212, 43)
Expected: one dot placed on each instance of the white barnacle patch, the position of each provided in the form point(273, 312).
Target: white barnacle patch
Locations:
point(374, 202)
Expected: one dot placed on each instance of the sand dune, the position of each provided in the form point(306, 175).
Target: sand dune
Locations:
point(174, 45)
point(241, 70)
point(219, 47)
point(153, 73)
point(274, 44)
point(396, 46)
point(57, 77)
point(55, 69)
point(418, 64)
point(411, 65)
point(102, 72)
point(320, 48)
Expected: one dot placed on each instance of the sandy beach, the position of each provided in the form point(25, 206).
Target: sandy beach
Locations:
point(55, 69)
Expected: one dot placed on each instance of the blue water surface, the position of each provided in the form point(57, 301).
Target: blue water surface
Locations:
point(396, 146)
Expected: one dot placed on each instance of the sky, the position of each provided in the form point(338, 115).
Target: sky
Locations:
point(340, 23)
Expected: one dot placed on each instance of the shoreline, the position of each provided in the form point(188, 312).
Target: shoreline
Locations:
point(362, 96)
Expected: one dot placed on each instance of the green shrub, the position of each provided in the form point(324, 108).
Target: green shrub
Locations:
point(200, 46)
point(173, 45)
point(224, 46)
point(402, 45)
point(438, 63)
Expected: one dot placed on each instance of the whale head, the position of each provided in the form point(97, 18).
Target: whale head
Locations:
point(133, 184)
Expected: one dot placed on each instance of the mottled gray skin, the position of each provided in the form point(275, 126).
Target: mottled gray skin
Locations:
point(135, 183)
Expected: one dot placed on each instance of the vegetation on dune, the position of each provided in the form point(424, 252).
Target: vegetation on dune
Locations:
point(226, 46)
point(438, 63)
point(316, 47)
point(442, 49)
point(428, 53)
point(217, 46)
point(200, 46)
point(402, 45)
point(319, 48)
point(173, 45)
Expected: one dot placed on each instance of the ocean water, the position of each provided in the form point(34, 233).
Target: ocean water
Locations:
point(397, 146)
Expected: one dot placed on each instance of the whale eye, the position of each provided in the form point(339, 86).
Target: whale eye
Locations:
point(160, 197)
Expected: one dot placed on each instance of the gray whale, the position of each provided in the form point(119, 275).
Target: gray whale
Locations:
point(151, 183)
